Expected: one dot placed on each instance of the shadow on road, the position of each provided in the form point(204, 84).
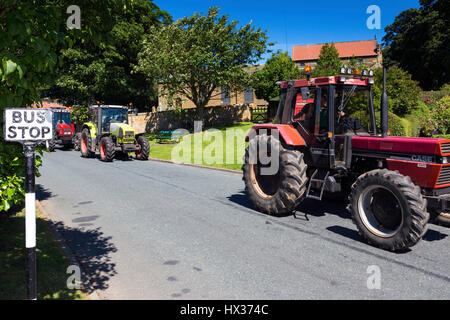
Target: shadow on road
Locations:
point(43, 193)
point(92, 251)
point(307, 208)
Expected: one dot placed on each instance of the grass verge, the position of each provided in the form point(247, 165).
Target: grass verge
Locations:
point(207, 148)
point(52, 263)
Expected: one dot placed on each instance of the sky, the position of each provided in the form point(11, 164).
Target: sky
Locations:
point(299, 22)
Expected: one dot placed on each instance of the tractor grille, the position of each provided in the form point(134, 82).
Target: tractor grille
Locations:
point(445, 148)
point(444, 177)
point(128, 137)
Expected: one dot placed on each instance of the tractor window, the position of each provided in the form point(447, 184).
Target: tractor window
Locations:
point(353, 110)
point(305, 112)
point(61, 118)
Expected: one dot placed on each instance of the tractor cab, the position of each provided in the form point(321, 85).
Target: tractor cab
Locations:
point(327, 112)
point(109, 117)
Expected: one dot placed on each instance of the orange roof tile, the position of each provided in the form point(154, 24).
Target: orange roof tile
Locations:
point(346, 50)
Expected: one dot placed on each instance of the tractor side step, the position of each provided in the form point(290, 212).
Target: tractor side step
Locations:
point(322, 183)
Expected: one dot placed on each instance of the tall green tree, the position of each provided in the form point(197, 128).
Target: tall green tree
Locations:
point(196, 55)
point(418, 41)
point(403, 92)
point(329, 63)
point(279, 67)
point(103, 71)
point(32, 33)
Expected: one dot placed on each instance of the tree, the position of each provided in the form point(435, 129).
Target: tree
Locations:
point(329, 63)
point(403, 92)
point(32, 33)
point(196, 55)
point(418, 40)
point(103, 71)
point(279, 67)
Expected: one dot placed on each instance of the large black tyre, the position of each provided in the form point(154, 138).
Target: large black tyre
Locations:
point(76, 141)
point(280, 193)
point(86, 144)
point(52, 145)
point(388, 210)
point(107, 149)
point(144, 153)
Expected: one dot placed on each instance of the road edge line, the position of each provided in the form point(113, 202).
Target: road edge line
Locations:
point(66, 249)
point(197, 166)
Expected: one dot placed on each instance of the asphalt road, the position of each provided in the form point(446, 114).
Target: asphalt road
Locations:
point(152, 230)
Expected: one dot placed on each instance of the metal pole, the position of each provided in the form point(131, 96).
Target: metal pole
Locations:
point(30, 220)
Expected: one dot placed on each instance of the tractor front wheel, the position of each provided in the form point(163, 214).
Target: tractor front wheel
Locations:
point(86, 144)
point(277, 192)
point(144, 152)
point(388, 210)
point(107, 149)
point(52, 145)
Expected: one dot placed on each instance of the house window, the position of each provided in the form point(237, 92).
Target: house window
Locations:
point(248, 95)
point(225, 96)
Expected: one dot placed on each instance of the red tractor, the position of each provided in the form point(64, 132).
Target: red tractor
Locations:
point(63, 129)
point(393, 184)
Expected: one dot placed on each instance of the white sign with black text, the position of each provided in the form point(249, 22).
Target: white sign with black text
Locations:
point(28, 125)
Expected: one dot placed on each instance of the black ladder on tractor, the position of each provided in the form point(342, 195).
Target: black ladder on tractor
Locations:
point(321, 182)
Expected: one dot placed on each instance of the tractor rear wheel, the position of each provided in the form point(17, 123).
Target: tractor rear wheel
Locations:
point(388, 210)
point(282, 191)
point(52, 145)
point(86, 144)
point(144, 153)
point(76, 141)
point(107, 149)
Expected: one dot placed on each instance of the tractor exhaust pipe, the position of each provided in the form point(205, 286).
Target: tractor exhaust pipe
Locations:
point(384, 108)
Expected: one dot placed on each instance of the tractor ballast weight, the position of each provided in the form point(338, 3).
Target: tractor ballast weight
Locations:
point(109, 132)
point(393, 184)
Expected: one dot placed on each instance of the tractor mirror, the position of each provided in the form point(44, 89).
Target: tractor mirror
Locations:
point(306, 94)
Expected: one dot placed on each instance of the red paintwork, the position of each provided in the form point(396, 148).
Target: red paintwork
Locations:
point(324, 81)
point(289, 134)
point(60, 129)
point(425, 175)
point(419, 146)
point(300, 103)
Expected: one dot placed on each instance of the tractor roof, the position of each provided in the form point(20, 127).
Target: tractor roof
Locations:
point(324, 81)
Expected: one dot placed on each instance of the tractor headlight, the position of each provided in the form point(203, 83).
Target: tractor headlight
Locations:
point(343, 70)
point(371, 73)
point(445, 160)
point(371, 81)
point(342, 79)
point(349, 71)
point(365, 73)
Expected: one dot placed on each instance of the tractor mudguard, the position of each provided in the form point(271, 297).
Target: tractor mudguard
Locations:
point(92, 129)
point(287, 132)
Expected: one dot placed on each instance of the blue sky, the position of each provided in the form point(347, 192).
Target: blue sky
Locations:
point(299, 22)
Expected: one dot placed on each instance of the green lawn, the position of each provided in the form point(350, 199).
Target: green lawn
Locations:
point(206, 148)
point(51, 262)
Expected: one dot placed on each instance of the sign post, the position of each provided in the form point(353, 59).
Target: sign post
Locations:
point(29, 127)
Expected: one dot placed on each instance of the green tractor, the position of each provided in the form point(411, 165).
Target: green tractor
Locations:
point(110, 133)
